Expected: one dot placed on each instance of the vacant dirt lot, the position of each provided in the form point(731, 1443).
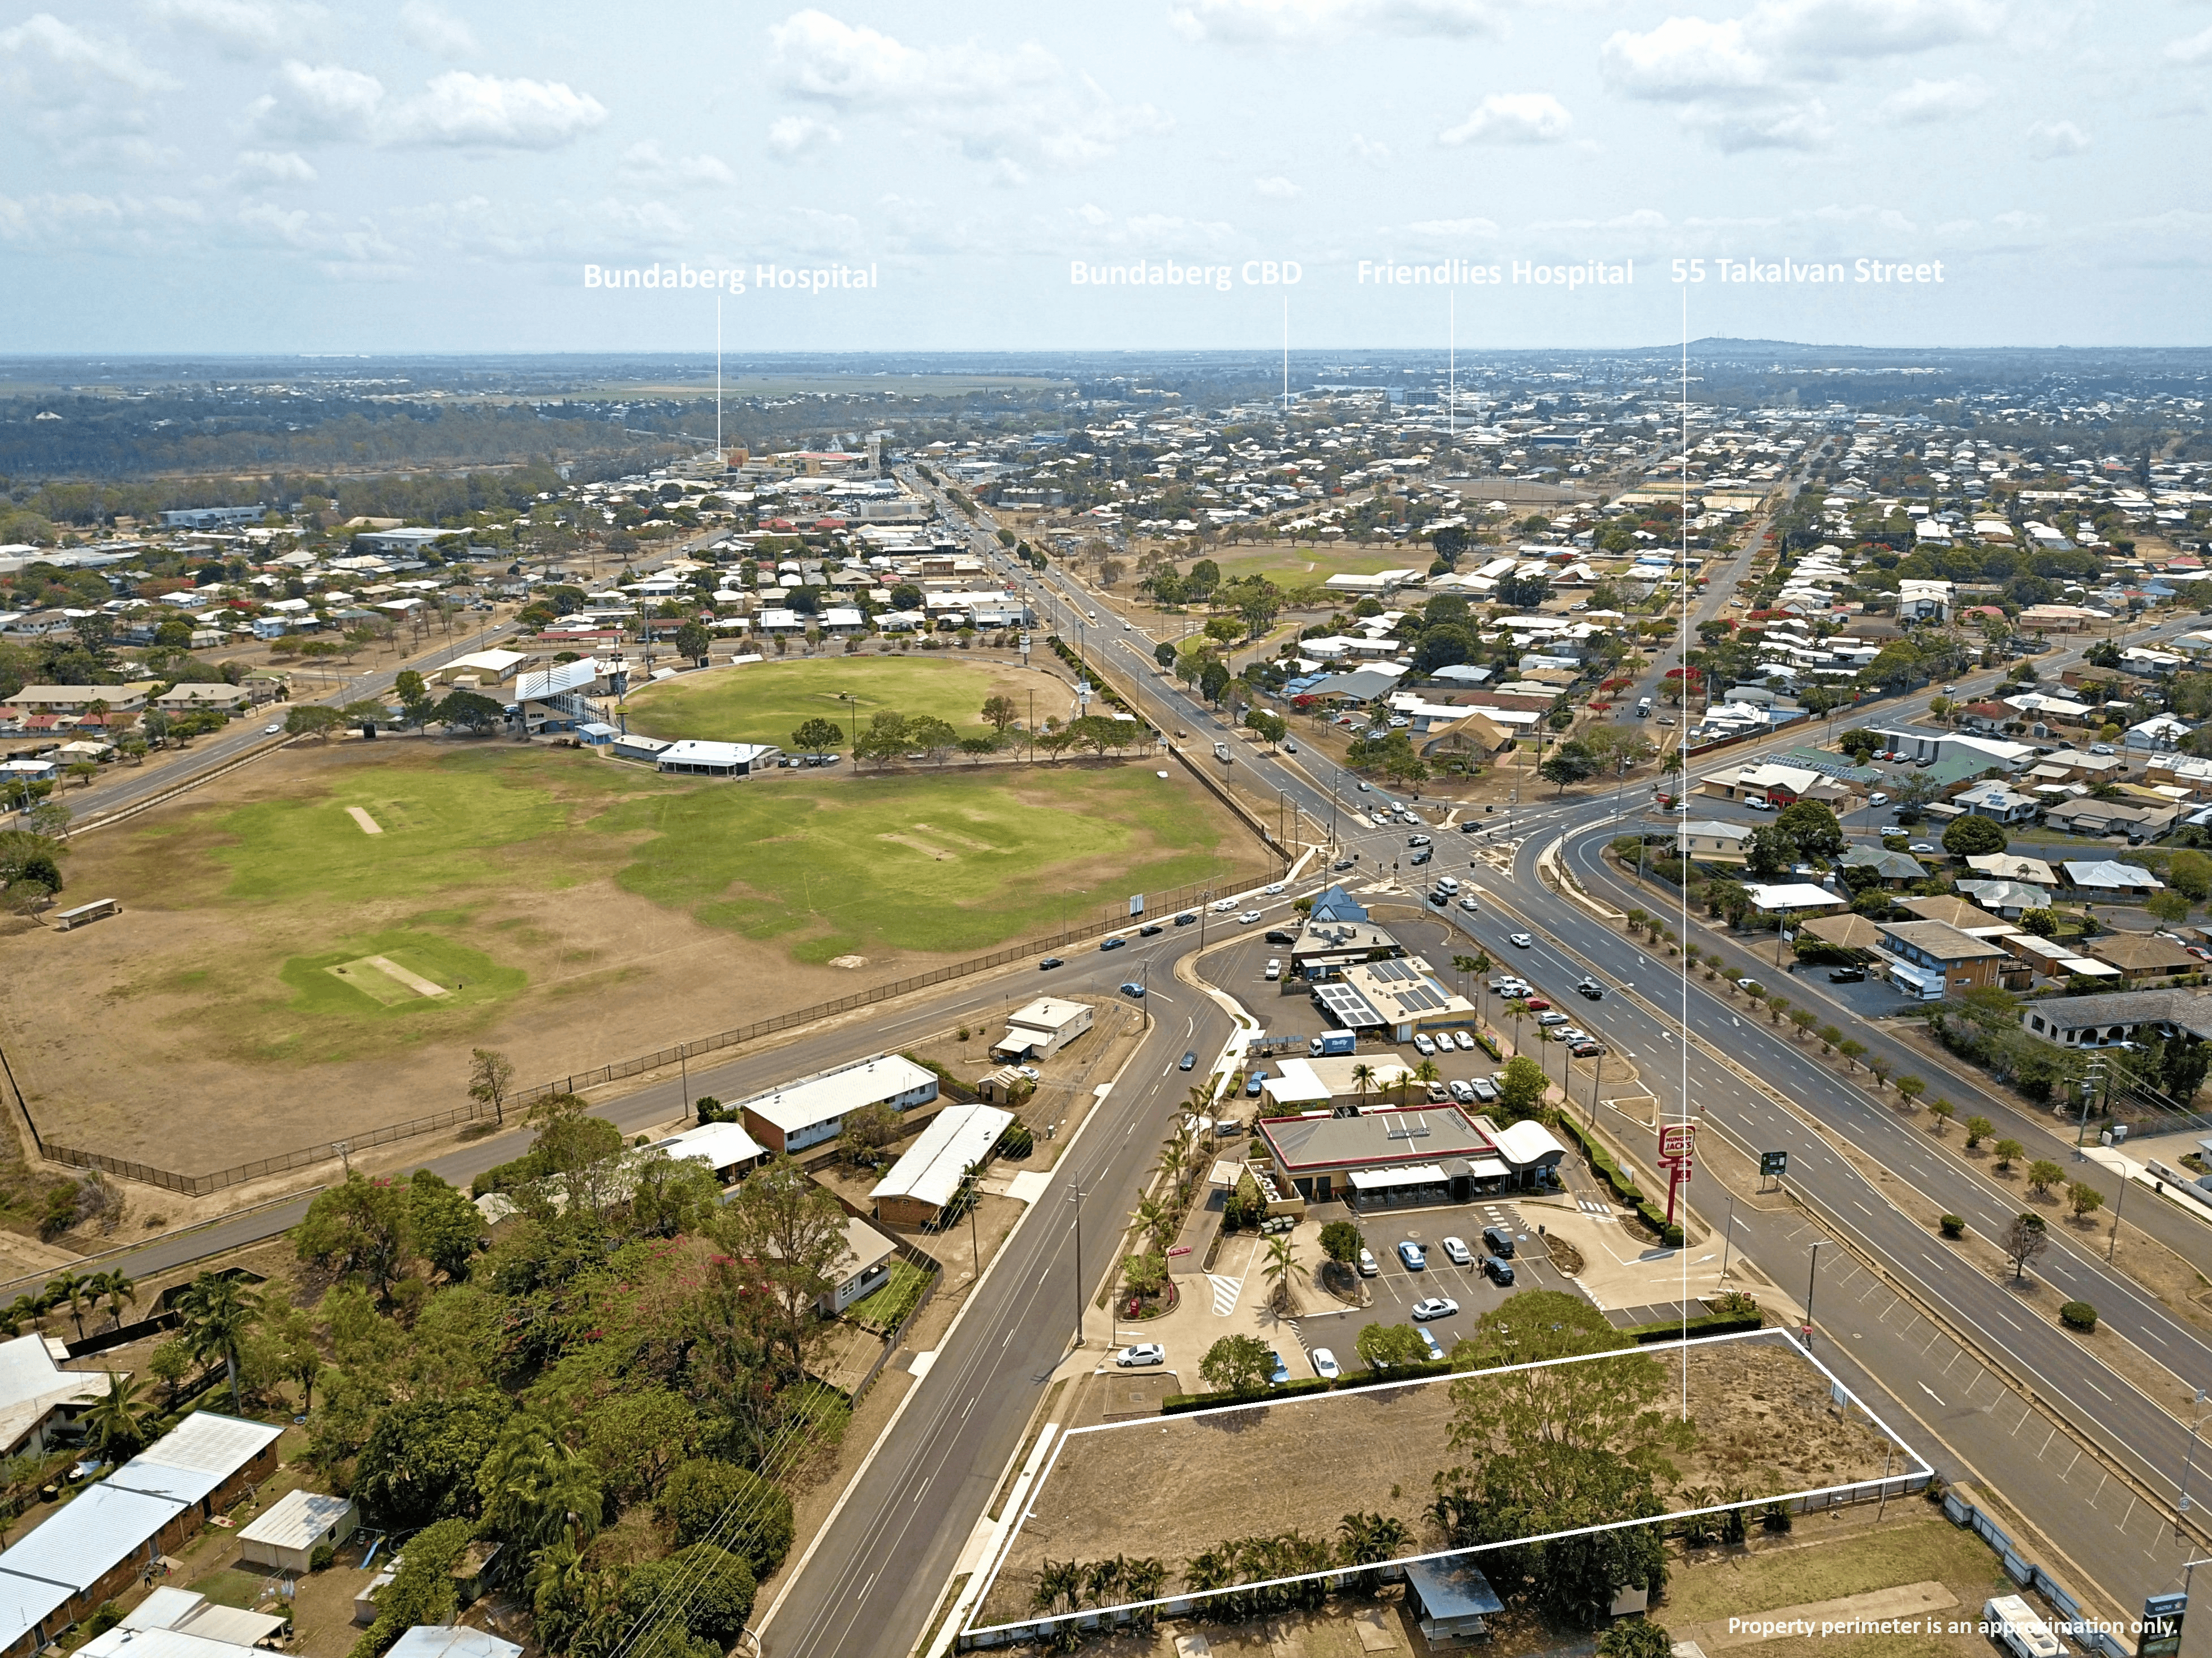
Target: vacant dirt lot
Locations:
point(1174, 1487)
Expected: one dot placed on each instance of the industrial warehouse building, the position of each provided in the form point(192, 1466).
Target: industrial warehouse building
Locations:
point(813, 1109)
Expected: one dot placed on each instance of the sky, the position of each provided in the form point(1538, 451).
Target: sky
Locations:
point(443, 175)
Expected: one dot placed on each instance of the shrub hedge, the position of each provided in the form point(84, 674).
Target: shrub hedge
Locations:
point(1623, 1187)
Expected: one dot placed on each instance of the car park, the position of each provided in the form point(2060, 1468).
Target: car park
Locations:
point(1189, 1060)
point(1133, 988)
point(1114, 943)
point(1050, 963)
point(1144, 1353)
point(1369, 1266)
point(1463, 1040)
point(1413, 1256)
point(1498, 1241)
point(1324, 1363)
point(1456, 1252)
point(1847, 975)
point(1497, 1272)
point(1424, 1045)
point(1520, 941)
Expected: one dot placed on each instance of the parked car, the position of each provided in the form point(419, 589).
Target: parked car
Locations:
point(1369, 1266)
point(1133, 988)
point(1847, 975)
point(1281, 936)
point(1586, 1049)
point(1456, 1252)
point(1278, 1372)
point(1274, 967)
point(1520, 941)
point(1436, 1352)
point(1144, 1353)
point(1254, 1082)
point(1463, 1040)
point(1189, 1060)
point(1411, 1253)
point(1424, 1045)
point(1548, 1020)
point(1497, 1271)
point(1324, 1362)
point(1535, 1004)
point(1453, 1089)
point(1050, 963)
point(1484, 1090)
point(1114, 943)
point(1435, 1307)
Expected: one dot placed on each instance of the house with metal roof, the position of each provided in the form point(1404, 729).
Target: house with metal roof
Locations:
point(813, 1109)
point(1408, 1157)
point(922, 1184)
point(2124, 1016)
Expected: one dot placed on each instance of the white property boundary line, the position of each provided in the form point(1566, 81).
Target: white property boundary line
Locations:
point(1917, 1469)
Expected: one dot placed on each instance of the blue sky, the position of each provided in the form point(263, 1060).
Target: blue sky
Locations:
point(219, 175)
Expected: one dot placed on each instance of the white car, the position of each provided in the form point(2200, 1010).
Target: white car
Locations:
point(1275, 890)
point(1274, 967)
point(1435, 1307)
point(1224, 906)
point(1457, 1253)
point(1423, 1046)
point(1463, 1040)
point(1324, 1363)
point(1144, 1353)
point(1521, 941)
point(1247, 918)
point(272, 728)
point(1467, 904)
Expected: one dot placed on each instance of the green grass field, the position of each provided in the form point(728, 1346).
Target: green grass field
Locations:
point(949, 861)
point(766, 701)
point(1308, 566)
point(811, 866)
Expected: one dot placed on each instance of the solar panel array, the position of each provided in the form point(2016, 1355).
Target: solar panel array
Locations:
point(1350, 1007)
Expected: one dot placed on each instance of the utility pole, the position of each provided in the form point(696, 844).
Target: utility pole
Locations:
point(1812, 1276)
point(1075, 1197)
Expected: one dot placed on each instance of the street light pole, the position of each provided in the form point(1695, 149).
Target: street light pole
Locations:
point(1075, 1197)
point(1728, 1238)
point(1812, 1276)
point(2189, 1467)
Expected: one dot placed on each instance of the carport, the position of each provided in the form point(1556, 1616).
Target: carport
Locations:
point(1451, 1598)
point(1417, 1185)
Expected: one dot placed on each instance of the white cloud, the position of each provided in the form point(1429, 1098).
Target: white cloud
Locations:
point(1163, 234)
point(436, 30)
point(245, 28)
point(2192, 49)
point(319, 105)
point(2050, 139)
point(1925, 101)
point(81, 92)
point(1810, 33)
point(791, 136)
point(1797, 125)
point(646, 163)
point(472, 111)
point(327, 103)
point(1010, 108)
point(1276, 188)
point(80, 220)
point(1682, 57)
point(1372, 151)
point(274, 166)
point(1513, 118)
point(1292, 22)
point(1448, 229)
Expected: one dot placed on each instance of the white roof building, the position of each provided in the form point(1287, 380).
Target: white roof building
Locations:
point(924, 1180)
point(814, 1109)
point(33, 1389)
point(695, 757)
point(722, 1146)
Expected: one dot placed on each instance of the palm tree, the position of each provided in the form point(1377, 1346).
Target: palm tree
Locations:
point(24, 1309)
point(1424, 1073)
point(115, 1287)
point(1281, 1269)
point(216, 1314)
point(74, 1289)
point(120, 1421)
point(1362, 1080)
point(538, 1491)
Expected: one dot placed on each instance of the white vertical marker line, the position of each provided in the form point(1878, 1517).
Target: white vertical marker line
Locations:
point(1682, 658)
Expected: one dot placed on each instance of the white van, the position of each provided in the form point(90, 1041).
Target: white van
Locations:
point(1643, 707)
